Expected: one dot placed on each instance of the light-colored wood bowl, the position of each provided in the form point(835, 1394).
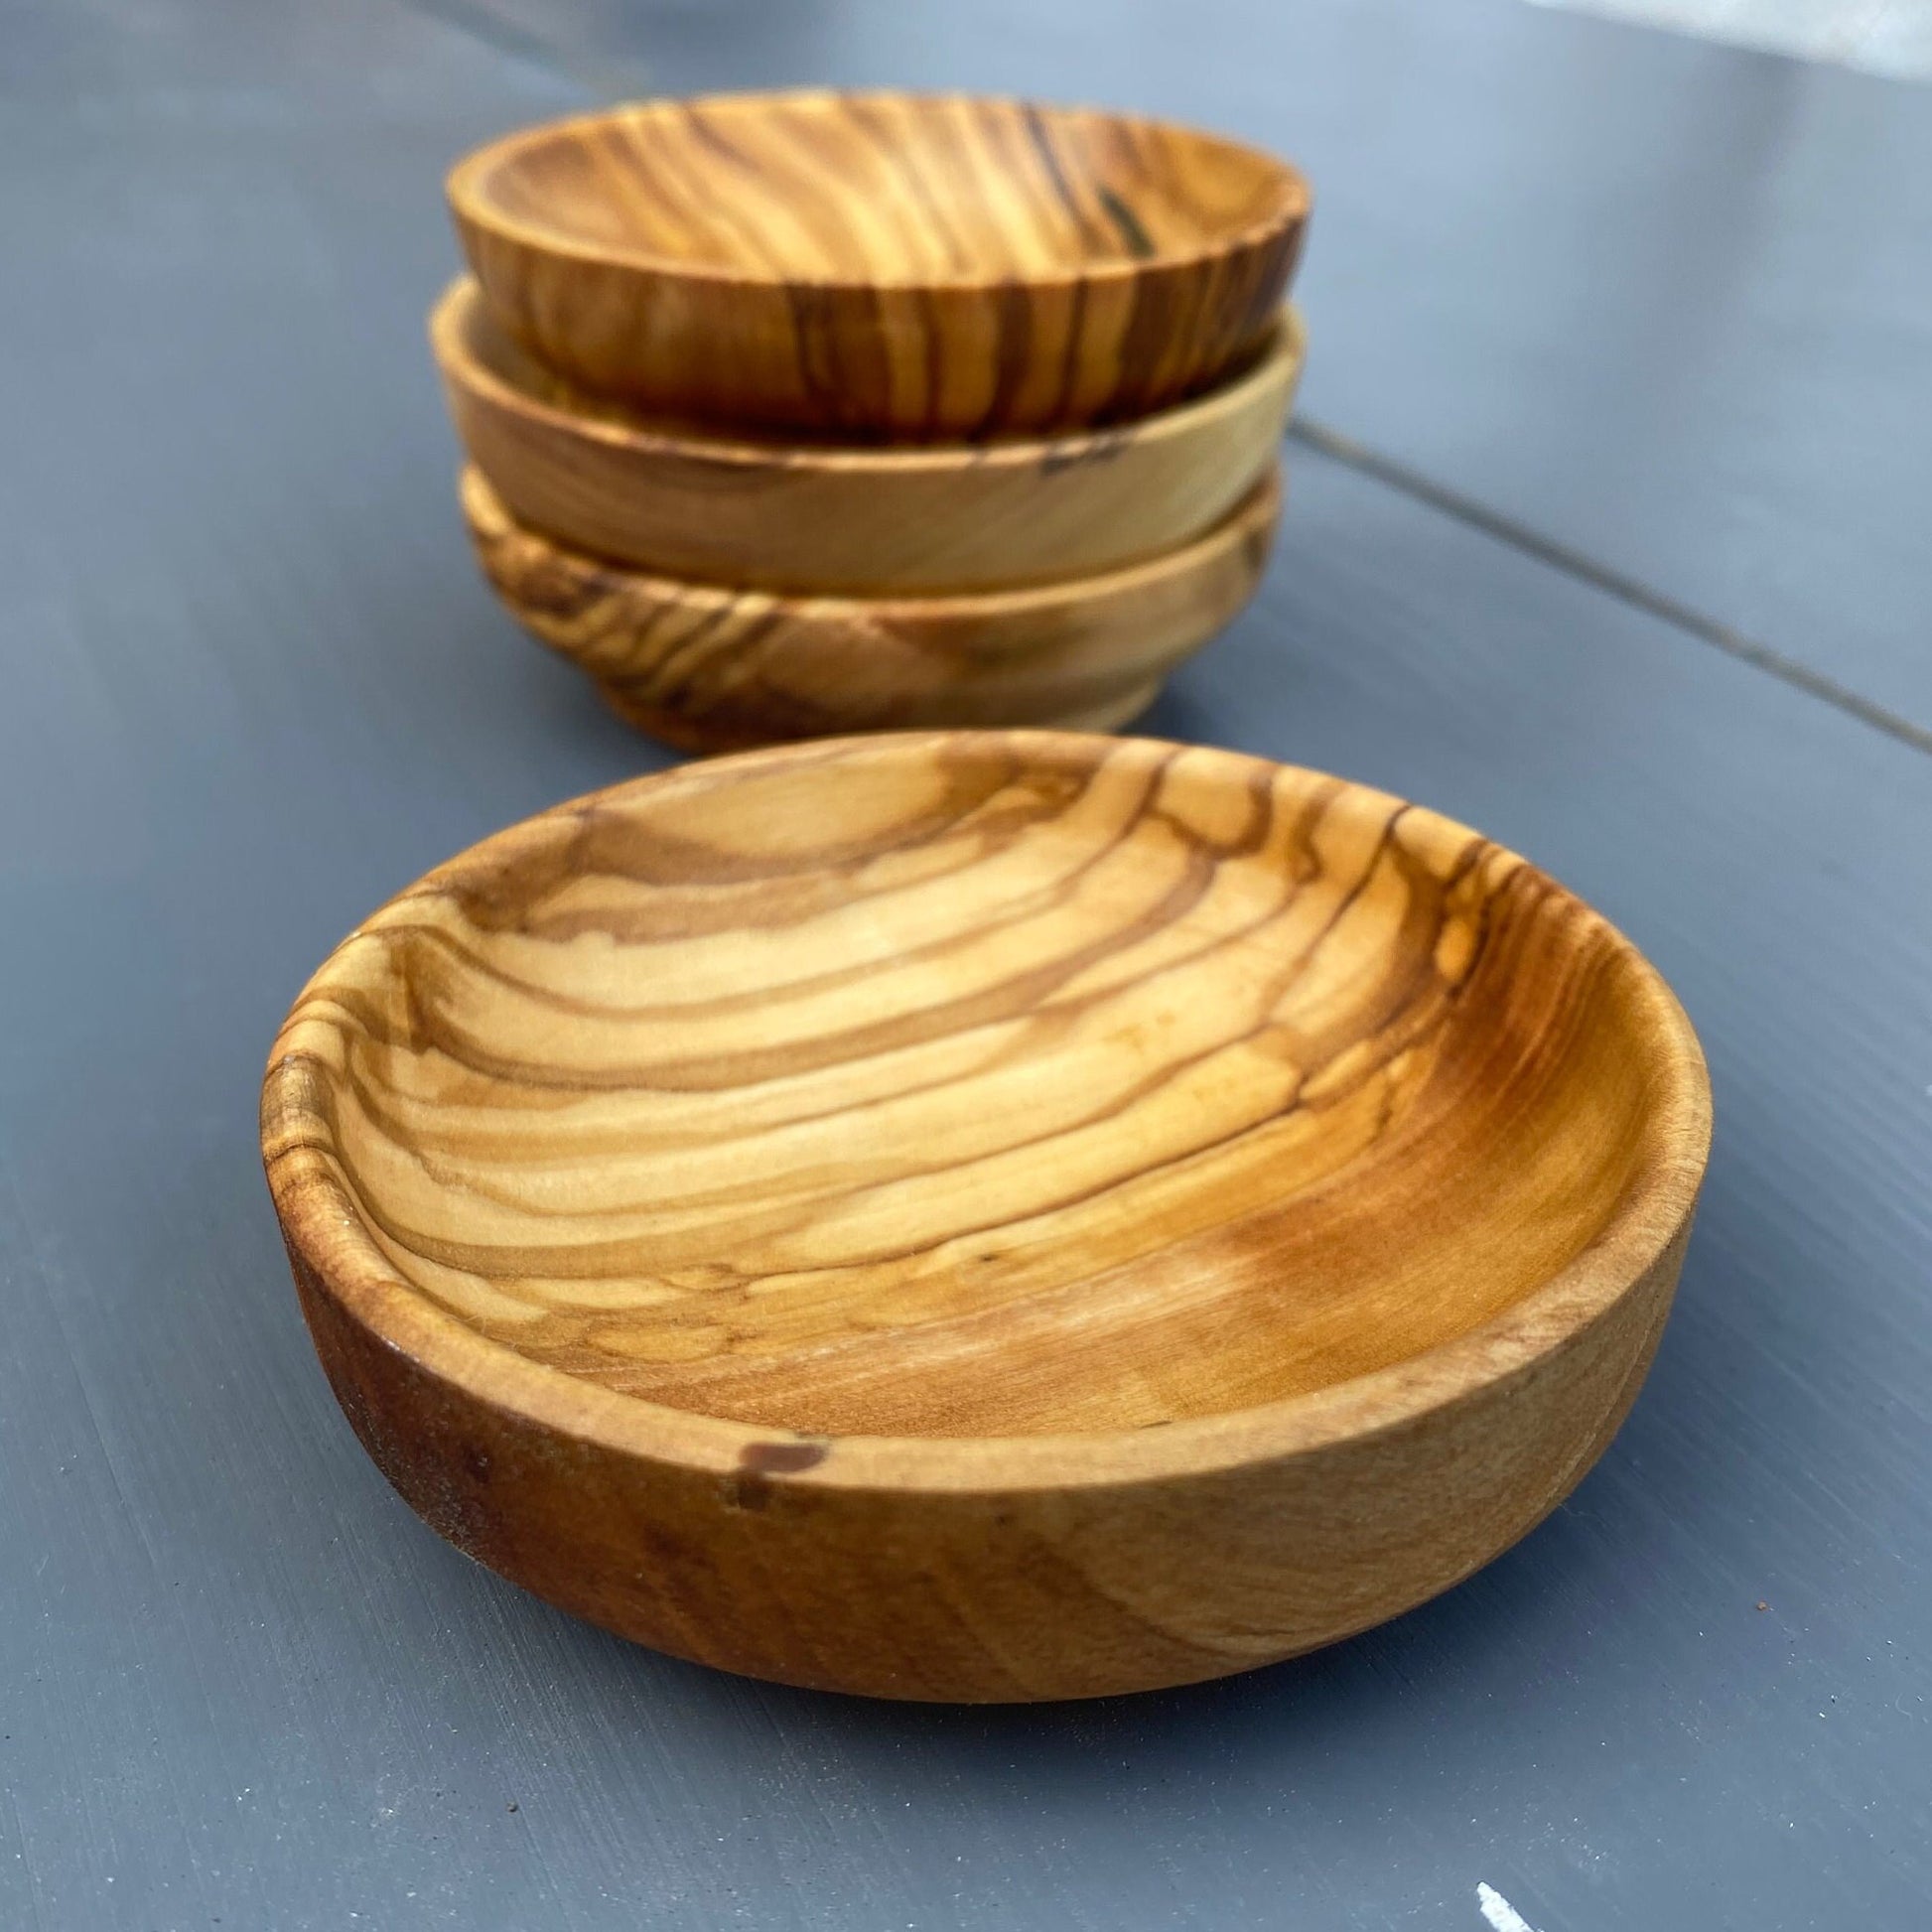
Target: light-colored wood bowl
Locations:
point(983, 1216)
point(710, 669)
point(791, 516)
point(913, 266)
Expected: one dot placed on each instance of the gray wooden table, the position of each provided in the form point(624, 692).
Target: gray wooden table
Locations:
point(1612, 539)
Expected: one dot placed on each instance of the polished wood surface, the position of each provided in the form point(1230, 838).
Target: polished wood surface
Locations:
point(986, 1215)
point(919, 266)
point(795, 515)
point(711, 669)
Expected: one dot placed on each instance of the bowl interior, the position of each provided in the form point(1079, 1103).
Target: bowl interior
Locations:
point(880, 188)
point(970, 1084)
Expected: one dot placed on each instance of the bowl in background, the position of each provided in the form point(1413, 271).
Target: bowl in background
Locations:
point(709, 669)
point(905, 266)
point(788, 515)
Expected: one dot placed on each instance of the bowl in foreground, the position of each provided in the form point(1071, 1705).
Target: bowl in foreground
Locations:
point(911, 266)
point(711, 669)
point(865, 520)
point(985, 1215)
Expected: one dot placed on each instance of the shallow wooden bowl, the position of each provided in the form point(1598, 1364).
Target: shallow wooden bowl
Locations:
point(914, 266)
point(710, 669)
point(792, 515)
point(986, 1215)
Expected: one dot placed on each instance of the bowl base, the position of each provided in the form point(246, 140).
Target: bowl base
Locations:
point(708, 738)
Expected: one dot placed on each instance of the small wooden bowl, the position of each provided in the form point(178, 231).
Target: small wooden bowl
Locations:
point(709, 670)
point(986, 1216)
point(911, 266)
point(868, 521)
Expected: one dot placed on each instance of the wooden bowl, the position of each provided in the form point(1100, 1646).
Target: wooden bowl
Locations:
point(986, 1216)
point(710, 669)
point(870, 521)
point(911, 266)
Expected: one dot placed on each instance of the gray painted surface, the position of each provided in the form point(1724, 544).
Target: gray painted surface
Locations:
point(253, 686)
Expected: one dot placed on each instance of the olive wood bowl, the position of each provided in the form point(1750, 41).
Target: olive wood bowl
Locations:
point(908, 266)
point(711, 669)
point(986, 1216)
point(863, 520)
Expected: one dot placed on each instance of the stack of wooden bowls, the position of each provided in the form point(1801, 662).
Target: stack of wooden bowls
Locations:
point(799, 414)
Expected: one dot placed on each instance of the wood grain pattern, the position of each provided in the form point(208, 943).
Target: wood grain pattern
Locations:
point(240, 631)
point(986, 1215)
point(917, 266)
point(793, 515)
point(710, 669)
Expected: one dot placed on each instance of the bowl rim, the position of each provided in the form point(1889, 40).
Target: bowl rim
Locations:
point(1281, 359)
point(463, 187)
point(323, 1227)
point(1256, 509)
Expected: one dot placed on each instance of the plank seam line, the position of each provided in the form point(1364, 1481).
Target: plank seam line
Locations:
point(1613, 583)
point(600, 78)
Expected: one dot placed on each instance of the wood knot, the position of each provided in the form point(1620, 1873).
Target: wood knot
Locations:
point(757, 1463)
point(781, 1459)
